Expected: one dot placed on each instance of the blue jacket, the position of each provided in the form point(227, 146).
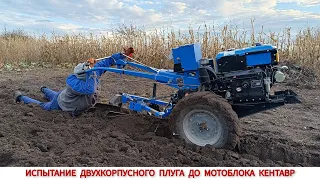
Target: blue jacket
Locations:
point(88, 86)
point(80, 95)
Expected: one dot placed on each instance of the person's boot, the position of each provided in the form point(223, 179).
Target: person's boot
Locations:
point(41, 88)
point(17, 96)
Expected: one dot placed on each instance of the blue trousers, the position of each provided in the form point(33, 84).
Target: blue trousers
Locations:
point(51, 95)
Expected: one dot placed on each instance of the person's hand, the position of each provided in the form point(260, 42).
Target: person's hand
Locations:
point(92, 62)
point(128, 51)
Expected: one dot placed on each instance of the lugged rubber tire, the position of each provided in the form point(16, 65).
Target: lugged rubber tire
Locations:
point(226, 118)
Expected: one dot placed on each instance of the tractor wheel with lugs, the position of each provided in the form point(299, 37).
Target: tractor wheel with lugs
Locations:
point(203, 118)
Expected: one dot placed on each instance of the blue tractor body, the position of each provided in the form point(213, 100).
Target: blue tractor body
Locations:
point(187, 57)
point(241, 77)
point(242, 59)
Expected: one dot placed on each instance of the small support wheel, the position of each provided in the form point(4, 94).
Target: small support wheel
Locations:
point(203, 118)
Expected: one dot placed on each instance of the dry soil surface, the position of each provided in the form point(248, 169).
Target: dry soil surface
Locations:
point(30, 136)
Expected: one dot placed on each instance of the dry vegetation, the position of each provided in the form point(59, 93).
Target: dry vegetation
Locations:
point(19, 50)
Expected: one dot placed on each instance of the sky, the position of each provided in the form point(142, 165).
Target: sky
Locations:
point(40, 16)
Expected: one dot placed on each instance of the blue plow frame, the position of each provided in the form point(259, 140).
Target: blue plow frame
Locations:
point(181, 81)
point(139, 104)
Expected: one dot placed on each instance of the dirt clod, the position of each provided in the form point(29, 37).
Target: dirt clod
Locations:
point(116, 134)
point(29, 114)
point(42, 147)
point(19, 142)
point(234, 155)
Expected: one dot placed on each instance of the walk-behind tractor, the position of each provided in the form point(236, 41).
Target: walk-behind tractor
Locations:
point(211, 93)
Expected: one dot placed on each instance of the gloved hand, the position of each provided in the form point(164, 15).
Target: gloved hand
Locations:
point(126, 51)
point(129, 51)
point(92, 62)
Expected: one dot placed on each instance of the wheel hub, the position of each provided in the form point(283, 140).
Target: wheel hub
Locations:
point(202, 127)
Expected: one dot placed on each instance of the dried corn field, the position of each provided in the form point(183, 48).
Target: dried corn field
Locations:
point(20, 50)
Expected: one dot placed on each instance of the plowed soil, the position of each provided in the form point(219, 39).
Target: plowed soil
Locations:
point(30, 136)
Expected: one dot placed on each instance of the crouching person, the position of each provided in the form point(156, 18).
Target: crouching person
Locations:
point(81, 87)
